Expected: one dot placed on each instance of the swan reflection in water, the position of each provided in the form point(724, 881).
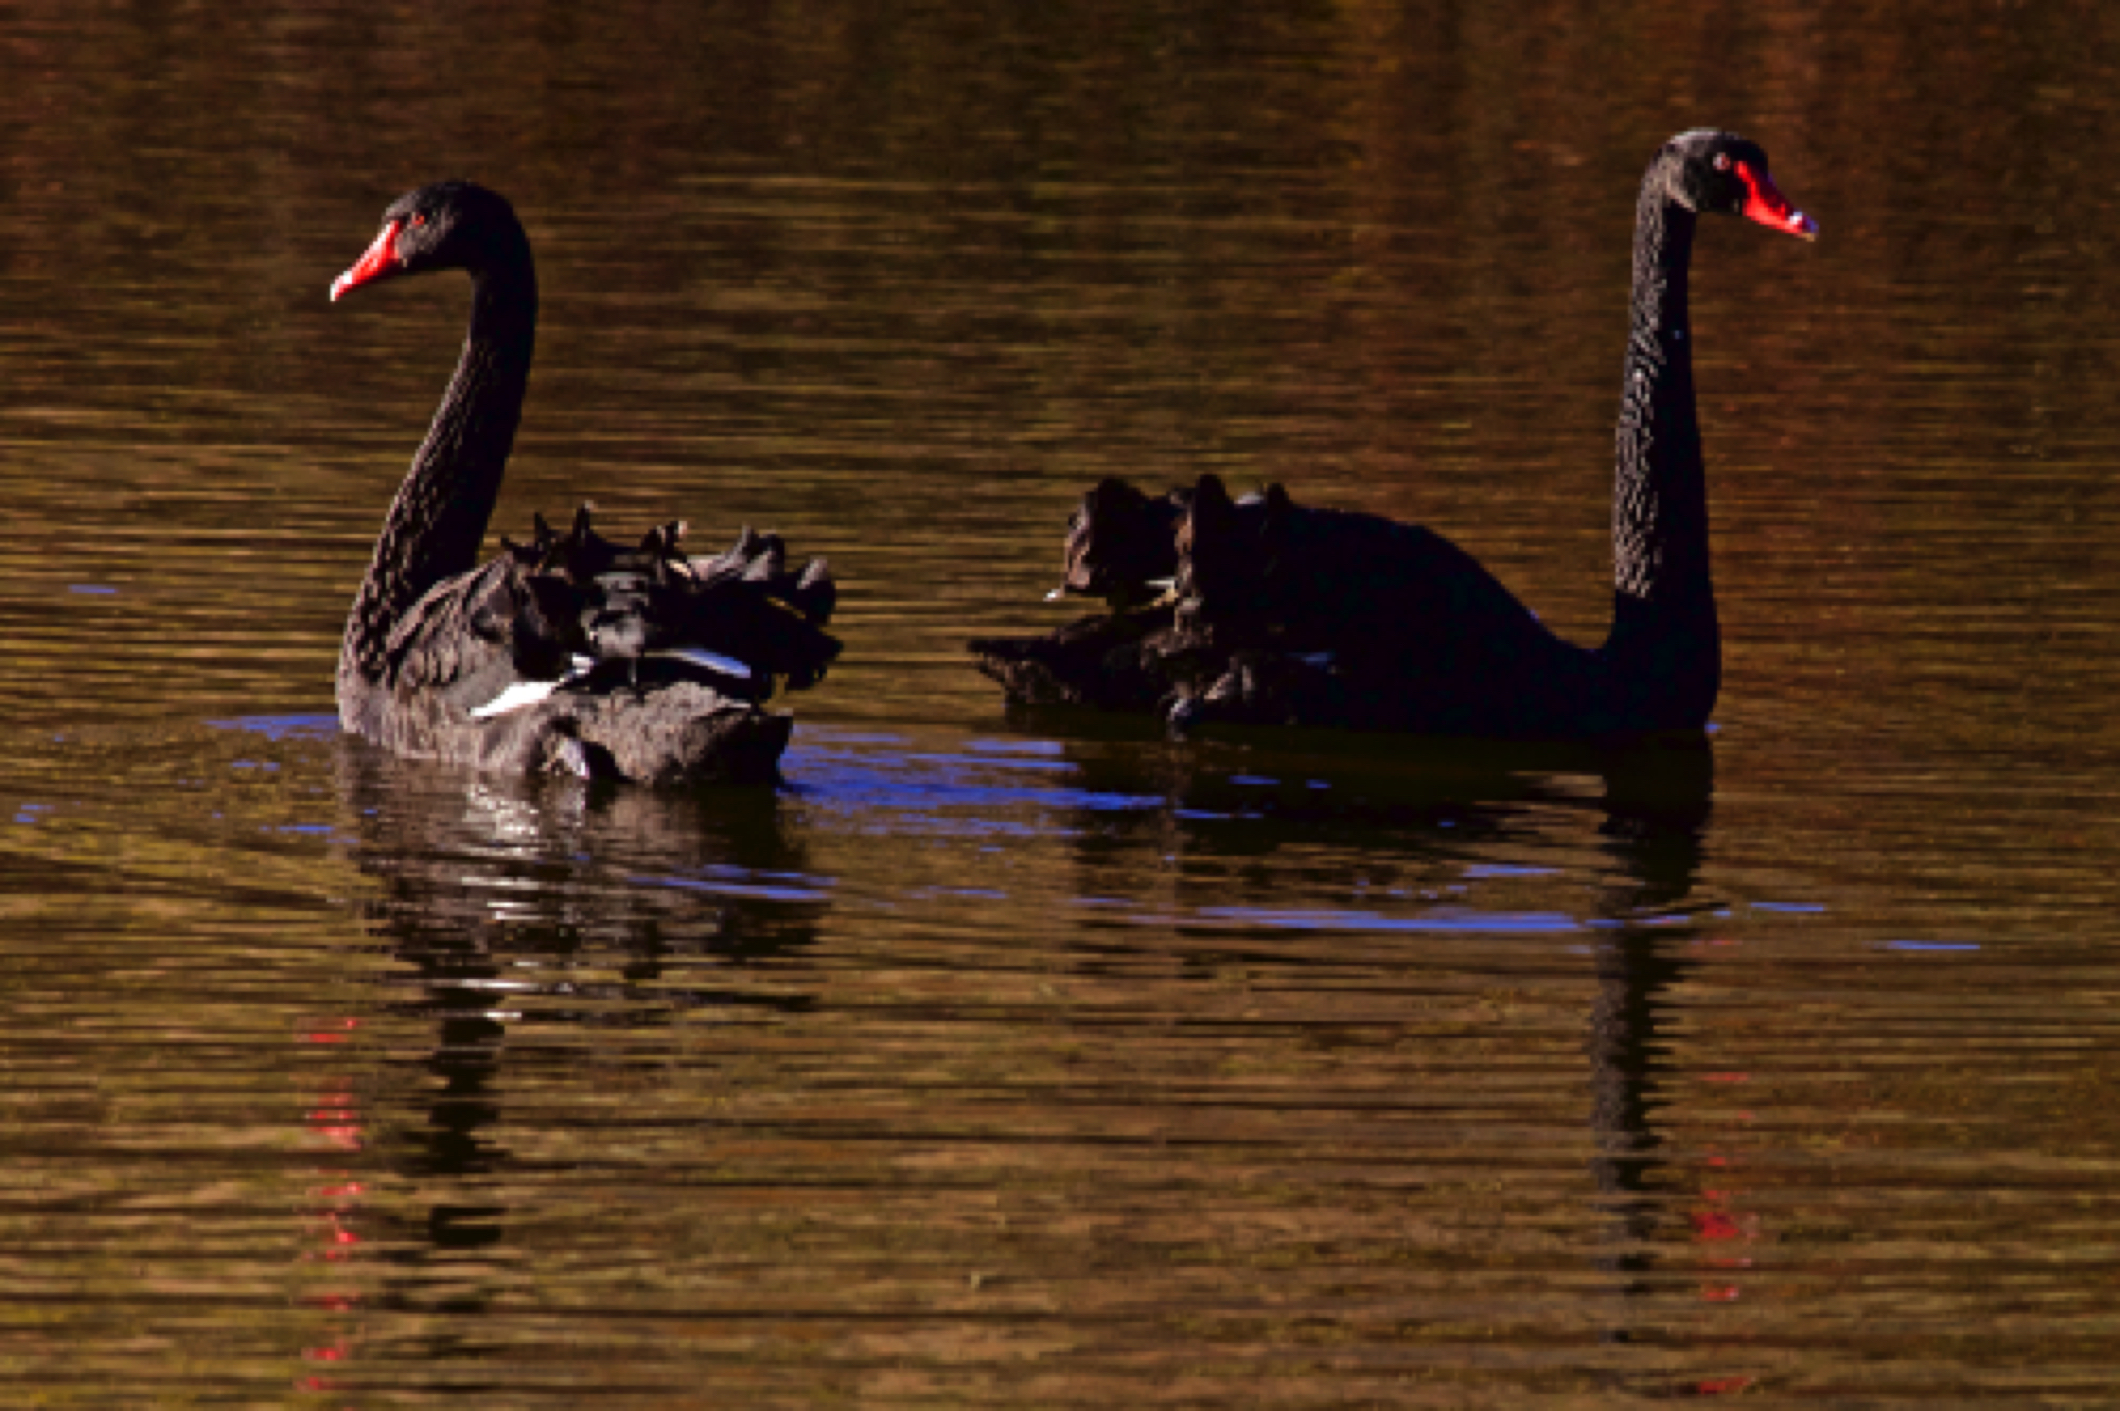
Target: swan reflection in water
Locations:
point(1410, 826)
point(515, 914)
point(532, 925)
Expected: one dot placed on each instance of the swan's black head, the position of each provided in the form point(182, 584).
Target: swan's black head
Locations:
point(449, 225)
point(1707, 170)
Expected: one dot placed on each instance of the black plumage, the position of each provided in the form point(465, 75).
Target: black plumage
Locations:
point(1280, 613)
point(567, 652)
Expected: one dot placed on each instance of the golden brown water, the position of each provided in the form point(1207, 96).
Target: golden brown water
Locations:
point(1032, 1060)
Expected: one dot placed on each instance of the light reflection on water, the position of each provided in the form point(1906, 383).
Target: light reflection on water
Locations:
point(1014, 1059)
point(825, 1062)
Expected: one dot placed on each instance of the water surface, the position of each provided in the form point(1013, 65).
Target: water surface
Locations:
point(1031, 1059)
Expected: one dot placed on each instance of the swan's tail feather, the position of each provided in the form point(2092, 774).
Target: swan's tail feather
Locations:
point(815, 593)
point(661, 542)
point(771, 564)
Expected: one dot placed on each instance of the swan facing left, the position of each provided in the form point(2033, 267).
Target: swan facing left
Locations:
point(569, 653)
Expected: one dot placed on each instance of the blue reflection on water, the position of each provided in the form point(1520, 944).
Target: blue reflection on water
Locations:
point(1047, 747)
point(947, 792)
point(1539, 921)
point(283, 727)
point(1051, 765)
point(726, 885)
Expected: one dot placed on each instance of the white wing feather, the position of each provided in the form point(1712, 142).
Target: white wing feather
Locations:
point(522, 693)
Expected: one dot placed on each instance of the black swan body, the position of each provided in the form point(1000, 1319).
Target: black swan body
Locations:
point(1276, 613)
point(568, 654)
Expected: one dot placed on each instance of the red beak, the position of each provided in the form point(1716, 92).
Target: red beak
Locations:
point(1769, 207)
point(379, 263)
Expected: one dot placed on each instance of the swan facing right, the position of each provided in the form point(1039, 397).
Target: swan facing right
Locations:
point(1276, 613)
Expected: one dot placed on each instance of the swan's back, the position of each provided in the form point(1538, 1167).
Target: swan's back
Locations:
point(1316, 579)
point(572, 654)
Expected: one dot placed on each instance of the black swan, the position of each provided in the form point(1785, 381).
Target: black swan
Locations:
point(1275, 613)
point(568, 654)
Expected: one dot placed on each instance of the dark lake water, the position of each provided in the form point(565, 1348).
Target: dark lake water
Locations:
point(1031, 1059)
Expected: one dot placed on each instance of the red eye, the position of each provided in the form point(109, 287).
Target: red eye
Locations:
point(420, 219)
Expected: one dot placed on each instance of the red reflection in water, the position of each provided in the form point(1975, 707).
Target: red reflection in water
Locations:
point(1724, 1230)
point(333, 1122)
point(1723, 1386)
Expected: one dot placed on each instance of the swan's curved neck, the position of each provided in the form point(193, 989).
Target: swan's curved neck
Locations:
point(436, 524)
point(1665, 639)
